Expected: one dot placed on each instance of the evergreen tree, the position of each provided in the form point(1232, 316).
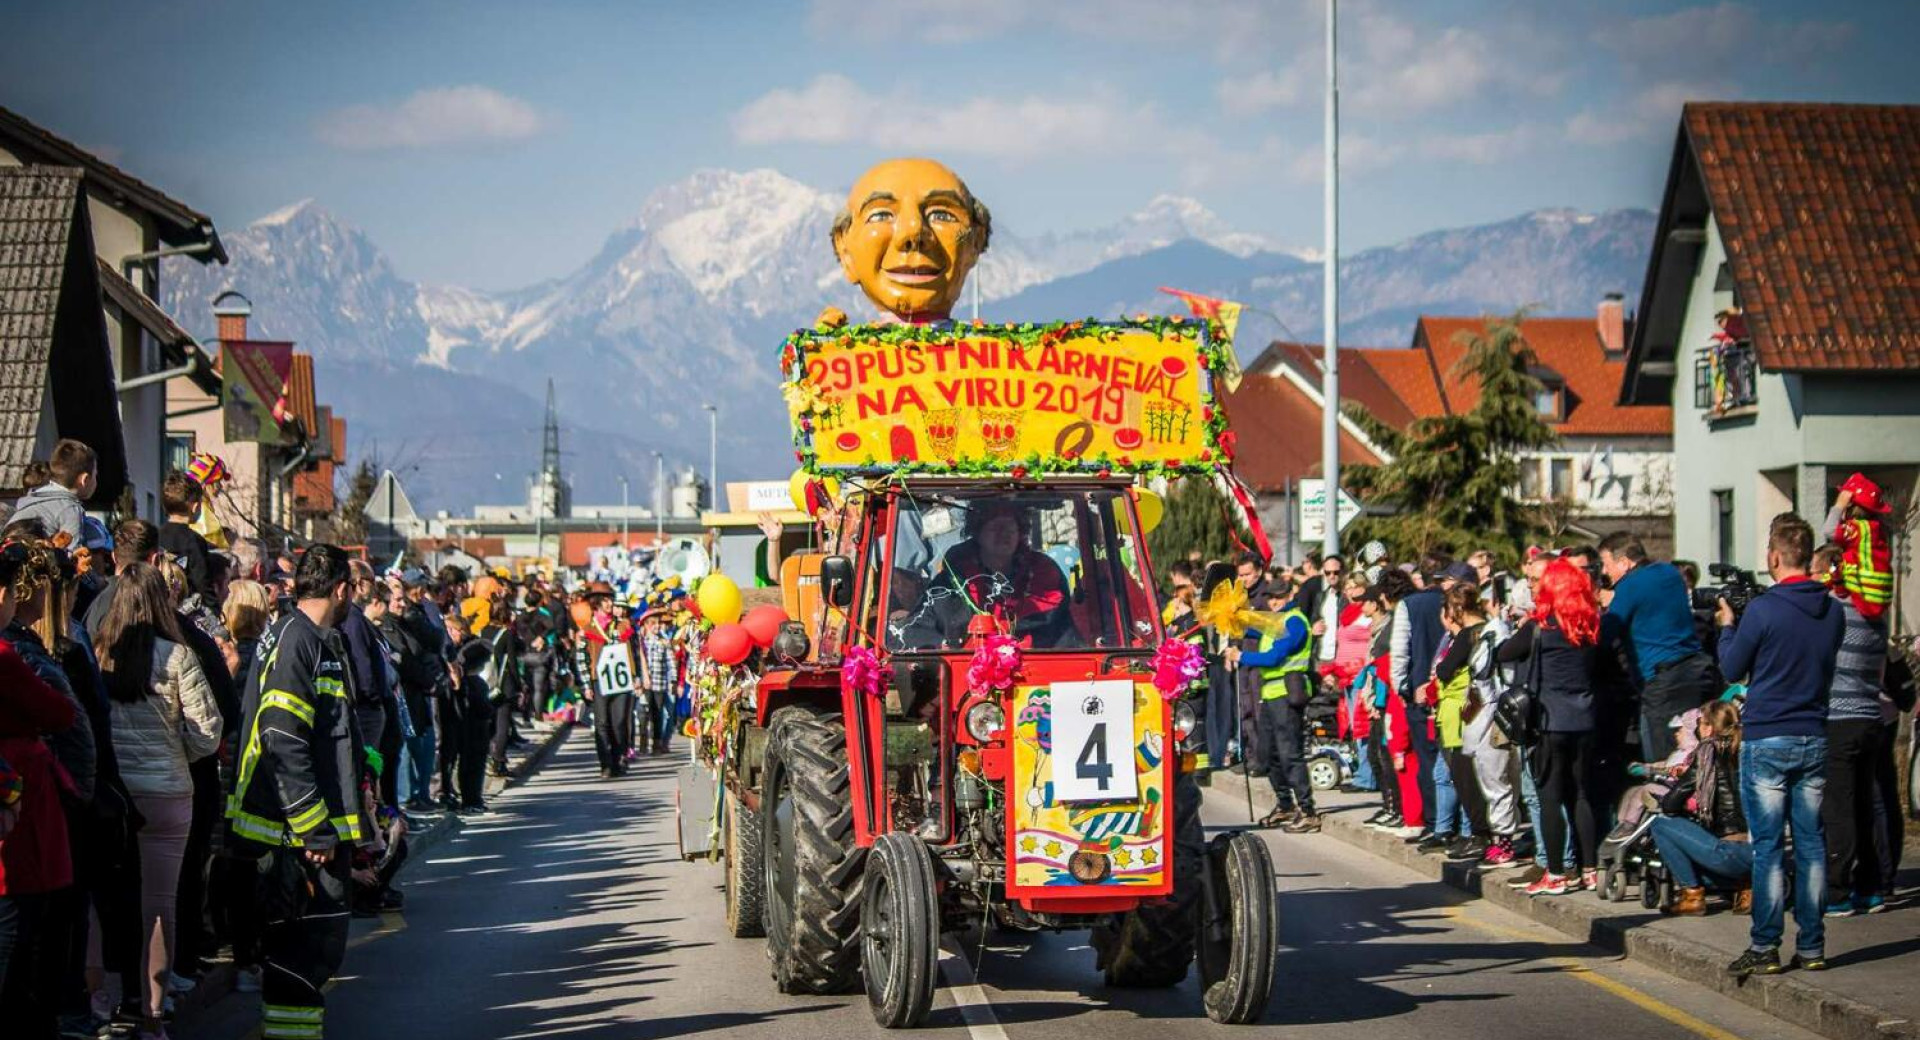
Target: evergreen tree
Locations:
point(350, 515)
point(1195, 519)
point(1452, 483)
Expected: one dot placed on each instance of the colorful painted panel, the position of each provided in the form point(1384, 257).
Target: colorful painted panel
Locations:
point(1087, 845)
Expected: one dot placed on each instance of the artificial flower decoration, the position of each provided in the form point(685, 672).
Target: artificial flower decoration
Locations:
point(863, 672)
point(996, 665)
point(1175, 665)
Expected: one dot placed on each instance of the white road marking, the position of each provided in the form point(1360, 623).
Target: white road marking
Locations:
point(975, 1009)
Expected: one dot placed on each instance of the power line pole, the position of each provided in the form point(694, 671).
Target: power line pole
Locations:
point(713, 456)
point(1330, 304)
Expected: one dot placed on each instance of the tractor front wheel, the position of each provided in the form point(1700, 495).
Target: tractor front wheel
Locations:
point(810, 861)
point(899, 931)
point(1239, 929)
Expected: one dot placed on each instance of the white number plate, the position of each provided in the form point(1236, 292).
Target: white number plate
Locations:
point(614, 669)
point(1093, 742)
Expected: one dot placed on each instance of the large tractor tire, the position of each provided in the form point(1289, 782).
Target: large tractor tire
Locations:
point(810, 863)
point(1151, 946)
point(899, 931)
point(1239, 929)
point(746, 872)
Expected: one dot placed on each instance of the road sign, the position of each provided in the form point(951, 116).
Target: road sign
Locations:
point(1313, 509)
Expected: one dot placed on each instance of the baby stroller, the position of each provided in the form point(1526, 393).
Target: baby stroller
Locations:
point(1628, 854)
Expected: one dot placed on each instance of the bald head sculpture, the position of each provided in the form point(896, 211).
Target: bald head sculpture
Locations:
point(909, 237)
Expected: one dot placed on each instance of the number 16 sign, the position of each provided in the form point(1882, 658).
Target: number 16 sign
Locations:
point(1093, 742)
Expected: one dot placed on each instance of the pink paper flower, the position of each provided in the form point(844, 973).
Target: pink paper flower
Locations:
point(862, 670)
point(996, 665)
point(1175, 665)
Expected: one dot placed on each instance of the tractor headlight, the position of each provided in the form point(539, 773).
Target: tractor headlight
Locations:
point(1183, 721)
point(985, 719)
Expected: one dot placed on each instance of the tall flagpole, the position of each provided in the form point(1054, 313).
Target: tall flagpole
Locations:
point(1330, 304)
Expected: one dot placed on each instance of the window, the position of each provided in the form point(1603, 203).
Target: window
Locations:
point(1548, 400)
point(179, 451)
point(1723, 525)
point(1530, 480)
point(1560, 472)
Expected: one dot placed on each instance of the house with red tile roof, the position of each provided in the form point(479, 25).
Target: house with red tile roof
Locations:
point(1780, 316)
point(1611, 470)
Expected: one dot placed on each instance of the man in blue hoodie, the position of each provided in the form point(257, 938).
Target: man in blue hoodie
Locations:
point(1784, 648)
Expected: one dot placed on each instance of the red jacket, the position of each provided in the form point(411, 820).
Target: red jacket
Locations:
point(34, 857)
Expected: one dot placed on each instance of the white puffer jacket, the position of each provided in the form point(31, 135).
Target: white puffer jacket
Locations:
point(175, 724)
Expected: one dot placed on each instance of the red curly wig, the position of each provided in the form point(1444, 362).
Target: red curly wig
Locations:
point(1565, 597)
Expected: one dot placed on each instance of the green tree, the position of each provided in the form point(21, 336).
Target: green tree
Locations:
point(350, 513)
point(1196, 518)
point(1452, 482)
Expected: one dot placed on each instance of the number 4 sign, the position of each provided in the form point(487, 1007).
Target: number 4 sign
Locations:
point(614, 669)
point(1093, 742)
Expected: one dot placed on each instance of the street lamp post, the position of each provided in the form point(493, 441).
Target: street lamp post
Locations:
point(1330, 302)
point(626, 523)
point(713, 455)
point(659, 499)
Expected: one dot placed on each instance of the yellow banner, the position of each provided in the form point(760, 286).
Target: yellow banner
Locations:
point(1074, 396)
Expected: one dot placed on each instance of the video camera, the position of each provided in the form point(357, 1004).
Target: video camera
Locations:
point(1737, 587)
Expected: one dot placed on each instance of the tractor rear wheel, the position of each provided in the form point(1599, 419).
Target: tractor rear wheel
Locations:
point(746, 874)
point(810, 863)
point(1239, 929)
point(1151, 946)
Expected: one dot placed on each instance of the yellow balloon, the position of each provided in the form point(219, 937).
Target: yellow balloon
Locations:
point(719, 599)
point(797, 488)
point(1151, 507)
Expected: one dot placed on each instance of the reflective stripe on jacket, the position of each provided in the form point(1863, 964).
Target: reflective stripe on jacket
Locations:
point(297, 782)
point(1273, 677)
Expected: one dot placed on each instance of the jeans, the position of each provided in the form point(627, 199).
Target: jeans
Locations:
point(417, 778)
point(1363, 778)
point(1444, 820)
point(1783, 782)
point(1690, 852)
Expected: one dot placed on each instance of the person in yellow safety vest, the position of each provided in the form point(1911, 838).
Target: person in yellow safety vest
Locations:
point(295, 806)
point(1858, 522)
point(1284, 660)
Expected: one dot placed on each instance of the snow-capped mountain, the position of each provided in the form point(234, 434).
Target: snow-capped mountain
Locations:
point(683, 304)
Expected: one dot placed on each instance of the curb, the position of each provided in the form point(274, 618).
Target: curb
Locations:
point(1786, 997)
point(217, 984)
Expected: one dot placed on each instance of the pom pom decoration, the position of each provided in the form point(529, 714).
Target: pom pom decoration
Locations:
point(862, 671)
point(1176, 665)
point(719, 599)
point(729, 644)
point(763, 623)
point(996, 665)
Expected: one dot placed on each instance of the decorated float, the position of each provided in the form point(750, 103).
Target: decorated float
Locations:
point(965, 712)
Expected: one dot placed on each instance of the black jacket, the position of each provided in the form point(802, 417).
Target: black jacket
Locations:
point(417, 669)
point(298, 779)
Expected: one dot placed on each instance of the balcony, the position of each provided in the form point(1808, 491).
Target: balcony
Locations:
point(1726, 382)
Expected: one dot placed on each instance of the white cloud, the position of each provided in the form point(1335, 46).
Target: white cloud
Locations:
point(1717, 36)
point(834, 110)
point(433, 118)
point(1651, 113)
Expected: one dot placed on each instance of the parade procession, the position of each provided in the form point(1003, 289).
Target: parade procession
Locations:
point(1488, 619)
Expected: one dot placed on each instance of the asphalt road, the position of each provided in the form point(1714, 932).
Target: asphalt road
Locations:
point(567, 914)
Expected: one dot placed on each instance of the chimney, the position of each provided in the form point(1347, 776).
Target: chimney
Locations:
point(1612, 324)
point(230, 311)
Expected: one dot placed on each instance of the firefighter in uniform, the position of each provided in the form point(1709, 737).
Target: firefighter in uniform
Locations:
point(1285, 661)
point(296, 802)
point(1858, 523)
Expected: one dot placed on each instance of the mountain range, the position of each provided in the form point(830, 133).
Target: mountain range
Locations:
point(686, 303)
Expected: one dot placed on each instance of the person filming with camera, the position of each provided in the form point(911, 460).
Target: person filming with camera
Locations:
point(1784, 645)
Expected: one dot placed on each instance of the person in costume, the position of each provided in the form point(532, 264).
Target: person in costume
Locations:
point(612, 712)
point(1858, 524)
point(995, 571)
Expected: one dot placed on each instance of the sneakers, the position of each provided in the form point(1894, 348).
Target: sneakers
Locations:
point(247, 980)
point(1873, 904)
point(1550, 885)
point(1467, 848)
point(1808, 962)
point(1499, 855)
point(1840, 908)
point(1376, 819)
point(180, 983)
point(1434, 843)
point(1405, 833)
point(1755, 962)
point(1527, 877)
point(1276, 819)
point(1589, 880)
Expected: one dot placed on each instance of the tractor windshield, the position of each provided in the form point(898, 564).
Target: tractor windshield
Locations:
point(1060, 568)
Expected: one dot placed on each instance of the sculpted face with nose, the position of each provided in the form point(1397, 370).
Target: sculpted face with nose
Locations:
point(909, 237)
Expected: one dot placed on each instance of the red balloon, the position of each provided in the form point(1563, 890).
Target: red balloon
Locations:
point(763, 623)
point(729, 644)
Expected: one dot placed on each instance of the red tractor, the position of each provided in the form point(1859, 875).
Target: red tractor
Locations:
point(966, 729)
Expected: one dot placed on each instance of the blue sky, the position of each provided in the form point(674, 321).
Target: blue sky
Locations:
point(496, 144)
